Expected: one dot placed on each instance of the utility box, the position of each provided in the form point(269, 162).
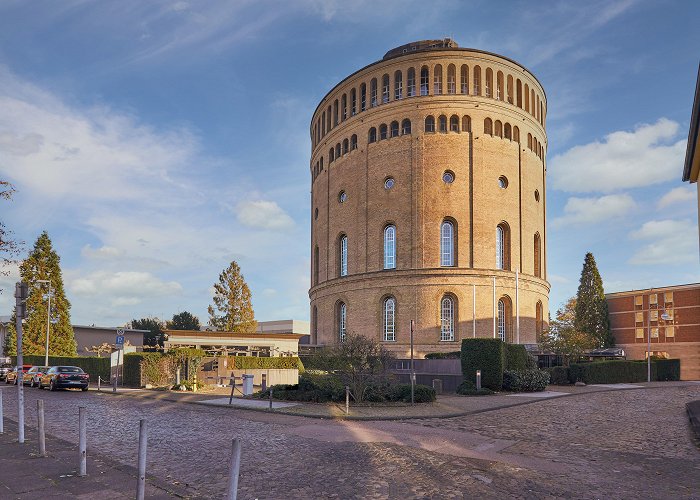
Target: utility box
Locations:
point(247, 385)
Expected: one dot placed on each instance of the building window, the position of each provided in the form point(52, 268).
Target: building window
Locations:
point(411, 83)
point(443, 124)
point(372, 137)
point(654, 333)
point(654, 315)
point(488, 126)
point(503, 247)
point(639, 333)
point(668, 297)
point(454, 123)
point(464, 79)
point(346, 146)
point(406, 127)
point(314, 318)
point(398, 85)
point(451, 79)
point(466, 123)
point(316, 265)
point(448, 177)
point(536, 253)
point(424, 80)
point(353, 142)
point(373, 92)
point(503, 182)
point(385, 89)
point(639, 317)
point(382, 131)
point(342, 197)
point(437, 80)
point(539, 322)
point(390, 247)
point(447, 244)
point(343, 251)
point(430, 124)
point(389, 183)
point(670, 332)
point(653, 298)
point(363, 97)
point(344, 107)
point(394, 129)
point(502, 320)
point(390, 319)
point(537, 196)
point(353, 102)
point(639, 300)
point(342, 321)
point(447, 319)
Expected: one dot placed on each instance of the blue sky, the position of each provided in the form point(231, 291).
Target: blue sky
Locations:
point(158, 141)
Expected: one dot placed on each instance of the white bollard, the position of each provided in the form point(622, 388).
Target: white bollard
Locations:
point(42, 431)
point(478, 380)
point(82, 441)
point(143, 443)
point(234, 471)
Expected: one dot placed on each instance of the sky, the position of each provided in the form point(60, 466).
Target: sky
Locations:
point(158, 141)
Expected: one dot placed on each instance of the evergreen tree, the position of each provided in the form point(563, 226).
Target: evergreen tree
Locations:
point(232, 310)
point(43, 263)
point(184, 321)
point(155, 336)
point(591, 306)
point(563, 338)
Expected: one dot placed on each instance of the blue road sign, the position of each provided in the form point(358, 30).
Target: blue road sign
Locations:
point(120, 340)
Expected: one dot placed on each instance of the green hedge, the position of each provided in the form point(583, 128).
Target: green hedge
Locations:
point(667, 369)
point(467, 388)
point(559, 375)
point(253, 363)
point(92, 365)
point(616, 371)
point(525, 380)
point(516, 357)
point(444, 355)
point(487, 355)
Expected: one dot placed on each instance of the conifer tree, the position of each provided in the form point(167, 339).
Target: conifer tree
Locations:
point(591, 306)
point(184, 321)
point(232, 310)
point(43, 263)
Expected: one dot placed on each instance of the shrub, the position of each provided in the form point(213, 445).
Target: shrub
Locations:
point(467, 388)
point(516, 357)
point(444, 355)
point(621, 371)
point(402, 392)
point(559, 375)
point(525, 380)
point(487, 355)
point(253, 363)
point(668, 369)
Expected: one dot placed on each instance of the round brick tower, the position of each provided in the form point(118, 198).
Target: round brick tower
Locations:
point(428, 201)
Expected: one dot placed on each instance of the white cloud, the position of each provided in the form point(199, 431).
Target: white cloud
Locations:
point(592, 210)
point(123, 287)
point(670, 242)
point(682, 194)
point(263, 215)
point(623, 160)
point(104, 252)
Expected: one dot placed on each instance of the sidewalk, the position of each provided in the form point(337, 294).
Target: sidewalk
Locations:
point(446, 406)
point(26, 475)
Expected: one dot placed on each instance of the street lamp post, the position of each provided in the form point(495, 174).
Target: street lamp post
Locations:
point(48, 321)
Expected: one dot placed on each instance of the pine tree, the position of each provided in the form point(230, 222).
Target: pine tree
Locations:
point(232, 303)
point(184, 321)
point(591, 306)
point(43, 263)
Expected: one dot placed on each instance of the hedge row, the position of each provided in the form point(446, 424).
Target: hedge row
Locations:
point(525, 380)
point(487, 355)
point(253, 363)
point(616, 371)
point(92, 365)
point(444, 355)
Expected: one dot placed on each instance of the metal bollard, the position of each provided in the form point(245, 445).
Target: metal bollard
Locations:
point(233, 389)
point(114, 384)
point(143, 443)
point(347, 400)
point(263, 384)
point(82, 441)
point(42, 431)
point(270, 398)
point(234, 471)
point(99, 383)
point(2, 424)
point(478, 380)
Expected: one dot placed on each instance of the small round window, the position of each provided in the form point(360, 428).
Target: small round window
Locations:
point(389, 183)
point(448, 177)
point(342, 196)
point(502, 182)
point(316, 214)
point(537, 195)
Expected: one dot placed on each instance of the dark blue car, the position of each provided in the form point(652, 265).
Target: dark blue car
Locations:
point(65, 377)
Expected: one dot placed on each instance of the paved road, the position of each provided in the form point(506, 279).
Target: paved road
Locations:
point(624, 444)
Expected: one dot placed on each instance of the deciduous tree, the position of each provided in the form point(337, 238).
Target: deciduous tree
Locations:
point(184, 321)
point(591, 306)
point(563, 338)
point(9, 248)
point(232, 310)
point(155, 337)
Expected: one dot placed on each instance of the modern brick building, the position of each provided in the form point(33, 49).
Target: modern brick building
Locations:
point(428, 201)
point(670, 314)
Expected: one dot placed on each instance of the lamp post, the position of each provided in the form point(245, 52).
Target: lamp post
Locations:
point(48, 320)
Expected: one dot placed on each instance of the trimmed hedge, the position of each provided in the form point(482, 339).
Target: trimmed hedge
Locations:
point(91, 365)
point(516, 357)
point(616, 371)
point(525, 380)
point(487, 355)
point(253, 363)
point(444, 355)
point(559, 375)
point(467, 388)
point(667, 369)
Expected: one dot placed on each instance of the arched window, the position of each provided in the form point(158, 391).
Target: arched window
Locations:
point(503, 246)
point(536, 253)
point(516, 134)
point(344, 107)
point(429, 124)
point(337, 151)
point(353, 102)
point(390, 247)
point(424, 80)
point(499, 129)
point(538, 108)
point(451, 79)
point(346, 146)
point(502, 320)
point(443, 124)
point(342, 321)
point(477, 80)
point(506, 131)
point(373, 92)
point(398, 85)
point(532, 102)
point(406, 127)
point(372, 136)
point(322, 164)
point(385, 89)
point(437, 79)
point(314, 318)
point(323, 123)
point(466, 123)
point(329, 116)
point(447, 244)
point(315, 280)
point(488, 126)
point(454, 123)
point(464, 79)
point(505, 319)
point(343, 255)
point(394, 129)
point(331, 155)
point(447, 319)
point(363, 97)
point(509, 89)
point(519, 93)
point(539, 322)
point(499, 86)
point(411, 83)
point(353, 142)
point(389, 319)
point(529, 141)
point(382, 131)
point(526, 97)
point(488, 88)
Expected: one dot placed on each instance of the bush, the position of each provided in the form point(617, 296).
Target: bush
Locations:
point(623, 371)
point(444, 355)
point(402, 392)
point(668, 369)
point(253, 363)
point(313, 388)
point(94, 366)
point(487, 355)
point(559, 375)
point(467, 388)
point(525, 380)
point(516, 357)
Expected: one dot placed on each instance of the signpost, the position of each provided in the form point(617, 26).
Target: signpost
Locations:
point(21, 294)
point(119, 342)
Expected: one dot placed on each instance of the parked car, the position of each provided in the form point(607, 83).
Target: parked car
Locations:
point(65, 377)
point(5, 368)
point(11, 377)
point(33, 375)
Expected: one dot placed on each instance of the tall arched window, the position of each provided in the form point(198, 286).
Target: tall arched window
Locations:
point(503, 246)
point(464, 79)
point(539, 323)
point(437, 79)
point(382, 131)
point(502, 320)
point(443, 124)
point(519, 93)
point(343, 255)
point(353, 102)
point(353, 142)
point(390, 319)
point(346, 146)
point(337, 151)
point(314, 318)
point(424, 80)
point(344, 107)
point(488, 88)
point(331, 155)
point(499, 86)
point(466, 123)
point(385, 89)
point(398, 85)
point(406, 126)
point(454, 123)
point(372, 136)
point(447, 244)
point(335, 113)
point(411, 83)
point(488, 126)
point(323, 123)
point(536, 253)
point(516, 134)
point(342, 321)
point(509, 89)
point(363, 97)
point(499, 129)
point(316, 265)
point(447, 319)
point(526, 97)
point(477, 80)
point(390, 247)
point(373, 92)
point(429, 124)
point(451, 79)
point(394, 129)
point(506, 131)
point(505, 319)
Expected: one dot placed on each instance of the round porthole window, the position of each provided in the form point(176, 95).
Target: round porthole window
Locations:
point(342, 196)
point(537, 195)
point(502, 182)
point(389, 183)
point(448, 177)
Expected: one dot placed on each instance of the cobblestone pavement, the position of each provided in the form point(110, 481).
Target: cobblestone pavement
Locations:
point(622, 444)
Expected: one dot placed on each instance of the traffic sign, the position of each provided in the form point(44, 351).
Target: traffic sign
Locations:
point(120, 340)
